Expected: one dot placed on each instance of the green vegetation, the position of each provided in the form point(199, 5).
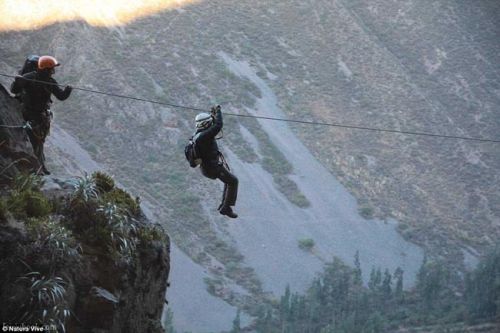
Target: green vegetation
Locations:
point(27, 182)
point(235, 140)
point(116, 230)
point(95, 216)
point(236, 323)
point(56, 237)
point(45, 303)
point(26, 200)
point(274, 162)
point(147, 234)
point(122, 199)
point(366, 212)
point(306, 244)
point(337, 301)
point(482, 293)
point(84, 189)
point(103, 182)
point(28, 204)
point(288, 187)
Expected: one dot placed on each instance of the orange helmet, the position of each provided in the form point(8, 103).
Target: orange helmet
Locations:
point(47, 62)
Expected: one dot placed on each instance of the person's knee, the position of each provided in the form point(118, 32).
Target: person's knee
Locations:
point(234, 180)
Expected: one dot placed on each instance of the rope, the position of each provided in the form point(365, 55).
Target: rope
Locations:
point(314, 123)
point(27, 125)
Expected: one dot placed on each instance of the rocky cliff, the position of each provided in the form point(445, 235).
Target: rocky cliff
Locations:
point(78, 253)
point(15, 154)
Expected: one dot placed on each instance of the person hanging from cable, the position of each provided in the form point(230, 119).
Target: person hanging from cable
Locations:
point(35, 90)
point(213, 163)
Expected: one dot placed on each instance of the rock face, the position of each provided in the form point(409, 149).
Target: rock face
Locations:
point(16, 153)
point(128, 298)
point(102, 296)
point(103, 289)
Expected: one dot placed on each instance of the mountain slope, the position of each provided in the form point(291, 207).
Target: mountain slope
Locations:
point(407, 65)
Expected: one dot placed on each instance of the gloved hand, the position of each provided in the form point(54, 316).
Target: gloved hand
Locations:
point(214, 110)
point(68, 88)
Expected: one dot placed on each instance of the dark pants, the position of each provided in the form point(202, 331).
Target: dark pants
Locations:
point(37, 143)
point(218, 171)
point(40, 127)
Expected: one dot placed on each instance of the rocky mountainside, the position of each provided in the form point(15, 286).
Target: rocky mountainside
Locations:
point(76, 254)
point(408, 65)
point(16, 157)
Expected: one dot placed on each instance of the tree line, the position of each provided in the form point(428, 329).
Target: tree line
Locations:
point(338, 302)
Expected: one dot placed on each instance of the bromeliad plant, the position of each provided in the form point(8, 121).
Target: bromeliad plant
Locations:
point(52, 235)
point(84, 189)
point(45, 302)
point(122, 229)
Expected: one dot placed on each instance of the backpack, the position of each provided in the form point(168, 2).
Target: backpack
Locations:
point(30, 64)
point(191, 153)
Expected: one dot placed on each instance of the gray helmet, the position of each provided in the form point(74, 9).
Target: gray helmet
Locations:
point(203, 120)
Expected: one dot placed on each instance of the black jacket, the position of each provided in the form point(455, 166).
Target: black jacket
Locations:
point(206, 143)
point(36, 95)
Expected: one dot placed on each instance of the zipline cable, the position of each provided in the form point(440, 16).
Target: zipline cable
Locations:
point(306, 122)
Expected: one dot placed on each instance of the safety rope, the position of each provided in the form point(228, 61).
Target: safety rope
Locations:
point(347, 126)
point(27, 125)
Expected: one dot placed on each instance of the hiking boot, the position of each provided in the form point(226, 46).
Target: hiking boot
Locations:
point(228, 211)
point(45, 171)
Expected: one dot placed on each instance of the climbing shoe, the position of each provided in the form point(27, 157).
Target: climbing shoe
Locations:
point(45, 171)
point(228, 211)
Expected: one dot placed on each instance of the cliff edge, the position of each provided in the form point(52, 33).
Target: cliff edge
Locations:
point(75, 254)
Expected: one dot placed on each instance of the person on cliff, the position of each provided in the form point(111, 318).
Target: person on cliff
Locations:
point(35, 90)
point(213, 164)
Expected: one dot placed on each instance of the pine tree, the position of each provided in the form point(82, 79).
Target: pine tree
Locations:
point(387, 285)
point(358, 281)
point(372, 284)
point(398, 292)
point(285, 310)
point(483, 288)
point(236, 323)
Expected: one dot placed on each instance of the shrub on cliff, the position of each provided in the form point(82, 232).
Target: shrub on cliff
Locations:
point(28, 204)
point(117, 230)
point(44, 300)
point(123, 200)
point(84, 190)
point(27, 182)
point(55, 237)
point(25, 199)
point(103, 182)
